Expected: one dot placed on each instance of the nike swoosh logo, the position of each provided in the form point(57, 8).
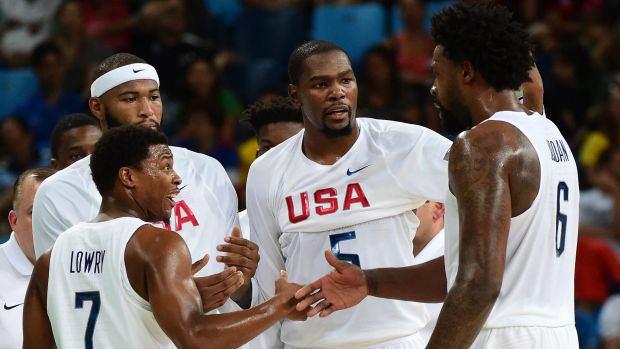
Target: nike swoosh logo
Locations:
point(11, 307)
point(350, 173)
point(137, 71)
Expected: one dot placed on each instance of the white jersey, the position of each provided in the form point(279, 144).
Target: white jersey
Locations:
point(432, 250)
point(90, 302)
point(360, 208)
point(538, 282)
point(15, 271)
point(204, 213)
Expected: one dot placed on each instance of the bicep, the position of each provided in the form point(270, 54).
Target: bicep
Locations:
point(172, 293)
point(480, 184)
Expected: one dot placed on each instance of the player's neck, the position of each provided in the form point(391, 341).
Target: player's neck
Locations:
point(327, 150)
point(112, 208)
point(488, 102)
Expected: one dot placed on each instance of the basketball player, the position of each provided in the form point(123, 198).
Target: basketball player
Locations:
point(126, 91)
point(273, 121)
point(348, 184)
point(119, 282)
point(17, 257)
point(512, 209)
point(73, 138)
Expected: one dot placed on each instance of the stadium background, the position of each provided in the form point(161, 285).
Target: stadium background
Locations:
point(215, 57)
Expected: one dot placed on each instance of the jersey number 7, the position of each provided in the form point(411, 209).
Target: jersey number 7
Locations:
point(80, 298)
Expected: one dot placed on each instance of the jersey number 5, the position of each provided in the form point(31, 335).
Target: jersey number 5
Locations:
point(334, 241)
point(560, 219)
point(80, 297)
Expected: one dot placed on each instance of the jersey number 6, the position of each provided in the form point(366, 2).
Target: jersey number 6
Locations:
point(560, 220)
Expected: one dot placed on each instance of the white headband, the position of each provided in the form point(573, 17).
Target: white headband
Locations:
point(121, 75)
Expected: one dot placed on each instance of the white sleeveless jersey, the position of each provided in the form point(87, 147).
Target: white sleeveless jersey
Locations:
point(538, 282)
point(204, 213)
point(90, 302)
point(360, 208)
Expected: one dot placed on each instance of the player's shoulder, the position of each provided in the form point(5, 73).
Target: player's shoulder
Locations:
point(153, 241)
point(395, 134)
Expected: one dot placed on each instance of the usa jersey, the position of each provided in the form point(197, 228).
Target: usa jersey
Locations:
point(90, 302)
point(360, 208)
point(204, 213)
point(538, 281)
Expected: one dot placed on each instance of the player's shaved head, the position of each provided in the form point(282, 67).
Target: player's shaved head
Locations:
point(306, 50)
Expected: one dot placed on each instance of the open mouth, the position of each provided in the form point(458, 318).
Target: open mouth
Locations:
point(338, 112)
point(171, 196)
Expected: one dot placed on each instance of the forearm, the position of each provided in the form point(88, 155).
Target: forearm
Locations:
point(463, 314)
point(231, 330)
point(419, 283)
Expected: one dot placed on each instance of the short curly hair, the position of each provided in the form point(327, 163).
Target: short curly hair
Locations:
point(119, 147)
point(487, 36)
point(279, 109)
point(305, 51)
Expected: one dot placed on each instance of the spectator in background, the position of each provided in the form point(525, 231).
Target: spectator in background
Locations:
point(202, 84)
point(51, 101)
point(609, 323)
point(109, 21)
point(80, 54)
point(604, 128)
point(201, 132)
point(414, 46)
point(170, 47)
point(73, 138)
point(24, 24)
point(17, 257)
point(599, 207)
point(381, 93)
point(569, 91)
point(17, 141)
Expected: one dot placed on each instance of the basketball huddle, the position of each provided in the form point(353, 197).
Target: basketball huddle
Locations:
point(139, 245)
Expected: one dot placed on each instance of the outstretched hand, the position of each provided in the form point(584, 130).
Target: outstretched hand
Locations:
point(342, 288)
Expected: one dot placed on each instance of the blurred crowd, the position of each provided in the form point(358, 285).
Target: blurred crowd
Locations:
point(215, 57)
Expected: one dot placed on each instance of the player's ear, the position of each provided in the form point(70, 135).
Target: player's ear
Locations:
point(96, 108)
point(127, 177)
point(54, 164)
point(12, 219)
point(292, 92)
point(468, 72)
